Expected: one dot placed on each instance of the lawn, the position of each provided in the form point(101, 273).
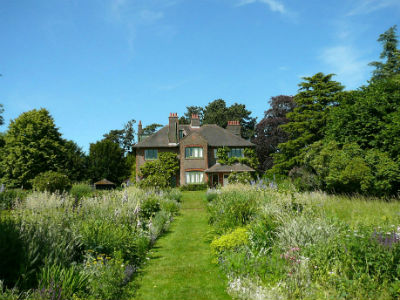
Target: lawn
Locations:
point(180, 265)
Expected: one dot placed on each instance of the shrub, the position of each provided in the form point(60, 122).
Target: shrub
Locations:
point(149, 207)
point(51, 181)
point(232, 209)
point(9, 198)
point(194, 187)
point(66, 281)
point(303, 179)
point(240, 177)
point(235, 239)
point(80, 190)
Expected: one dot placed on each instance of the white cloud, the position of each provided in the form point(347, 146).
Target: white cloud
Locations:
point(274, 5)
point(345, 61)
point(369, 6)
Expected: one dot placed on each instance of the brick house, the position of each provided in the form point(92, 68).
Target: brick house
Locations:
point(196, 147)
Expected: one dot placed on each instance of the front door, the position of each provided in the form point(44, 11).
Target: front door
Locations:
point(214, 180)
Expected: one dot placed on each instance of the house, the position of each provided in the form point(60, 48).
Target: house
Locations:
point(196, 146)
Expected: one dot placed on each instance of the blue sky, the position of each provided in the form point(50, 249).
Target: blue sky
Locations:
point(97, 64)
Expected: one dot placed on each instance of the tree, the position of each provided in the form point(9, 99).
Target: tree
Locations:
point(74, 161)
point(160, 172)
point(1, 112)
point(106, 160)
point(124, 137)
point(390, 52)
point(191, 110)
point(317, 95)
point(33, 145)
point(216, 112)
point(150, 129)
point(269, 134)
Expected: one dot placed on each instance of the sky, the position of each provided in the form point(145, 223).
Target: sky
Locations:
point(96, 64)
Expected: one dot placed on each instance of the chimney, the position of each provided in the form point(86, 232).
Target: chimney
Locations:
point(140, 131)
point(173, 128)
point(234, 127)
point(195, 121)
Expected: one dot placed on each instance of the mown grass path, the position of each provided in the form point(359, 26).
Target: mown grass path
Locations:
point(180, 265)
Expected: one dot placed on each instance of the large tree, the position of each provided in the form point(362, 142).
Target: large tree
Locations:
point(150, 129)
point(269, 134)
point(107, 160)
point(74, 161)
point(190, 110)
point(1, 112)
point(124, 137)
point(390, 52)
point(33, 145)
point(307, 123)
point(216, 112)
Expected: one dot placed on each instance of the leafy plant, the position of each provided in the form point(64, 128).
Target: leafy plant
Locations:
point(51, 181)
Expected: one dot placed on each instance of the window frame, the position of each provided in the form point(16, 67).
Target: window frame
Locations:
point(198, 177)
point(146, 156)
point(190, 148)
point(233, 150)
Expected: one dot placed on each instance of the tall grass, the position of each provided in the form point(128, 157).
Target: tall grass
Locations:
point(59, 246)
point(306, 245)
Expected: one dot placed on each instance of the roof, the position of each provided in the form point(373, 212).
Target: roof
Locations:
point(216, 137)
point(238, 167)
point(104, 182)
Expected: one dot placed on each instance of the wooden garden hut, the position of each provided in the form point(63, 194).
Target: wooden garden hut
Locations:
point(104, 184)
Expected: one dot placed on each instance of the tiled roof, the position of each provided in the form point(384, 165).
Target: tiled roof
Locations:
point(104, 182)
point(216, 137)
point(218, 168)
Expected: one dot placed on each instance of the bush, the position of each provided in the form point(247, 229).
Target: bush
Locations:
point(149, 207)
point(80, 190)
point(232, 209)
point(240, 177)
point(9, 198)
point(194, 187)
point(303, 179)
point(236, 238)
point(51, 181)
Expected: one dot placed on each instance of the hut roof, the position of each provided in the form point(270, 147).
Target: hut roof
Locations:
point(104, 182)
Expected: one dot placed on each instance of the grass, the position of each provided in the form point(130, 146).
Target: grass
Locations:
point(180, 265)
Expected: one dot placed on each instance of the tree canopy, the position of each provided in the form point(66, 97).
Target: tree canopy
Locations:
point(33, 145)
point(124, 137)
point(268, 133)
point(107, 160)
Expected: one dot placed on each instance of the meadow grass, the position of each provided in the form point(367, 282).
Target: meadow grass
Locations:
point(180, 265)
point(306, 245)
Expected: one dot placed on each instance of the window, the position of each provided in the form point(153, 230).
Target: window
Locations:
point(194, 152)
point(215, 153)
point(236, 152)
point(150, 154)
point(181, 134)
point(194, 177)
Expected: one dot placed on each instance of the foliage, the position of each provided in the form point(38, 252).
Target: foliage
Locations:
point(392, 64)
point(216, 112)
point(1, 112)
point(106, 160)
point(159, 172)
point(333, 246)
point(81, 190)
point(232, 209)
point(232, 240)
point(33, 145)
point(52, 246)
point(268, 133)
point(150, 129)
point(194, 187)
point(349, 169)
point(74, 163)
point(317, 95)
point(191, 110)
point(66, 281)
point(125, 137)
point(51, 181)
point(250, 157)
point(10, 198)
point(240, 177)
